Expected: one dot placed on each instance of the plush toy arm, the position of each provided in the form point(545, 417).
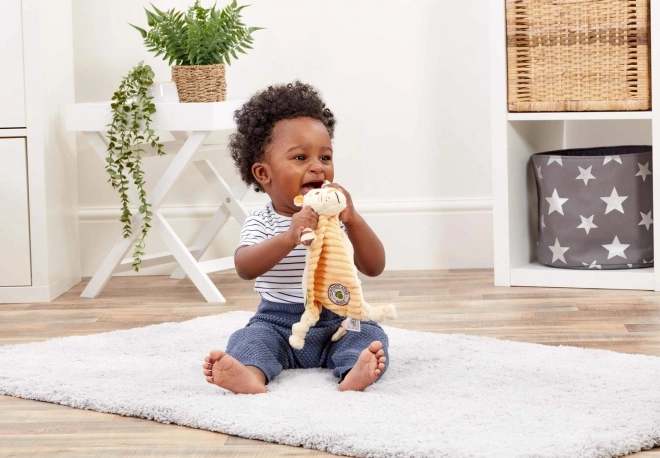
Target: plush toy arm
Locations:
point(299, 330)
point(308, 237)
point(377, 314)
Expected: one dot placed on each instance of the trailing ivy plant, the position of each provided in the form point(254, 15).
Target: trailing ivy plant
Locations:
point(130, 129)
point(202, 36)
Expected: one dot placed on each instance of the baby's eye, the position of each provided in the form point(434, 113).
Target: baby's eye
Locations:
point(299, 157)
point(326, 158)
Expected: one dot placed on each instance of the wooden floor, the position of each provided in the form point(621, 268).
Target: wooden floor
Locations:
point(435, 301)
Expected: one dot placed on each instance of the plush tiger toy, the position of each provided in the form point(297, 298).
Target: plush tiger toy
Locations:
point(330, 277)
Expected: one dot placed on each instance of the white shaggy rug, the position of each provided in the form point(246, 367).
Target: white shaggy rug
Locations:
point(443, 395)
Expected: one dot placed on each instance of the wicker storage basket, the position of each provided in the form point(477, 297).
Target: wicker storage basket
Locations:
point(578, 55)
point(595, 207)
point(200, 83)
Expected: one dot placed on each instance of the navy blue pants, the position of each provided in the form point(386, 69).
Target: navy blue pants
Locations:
point(264, 342)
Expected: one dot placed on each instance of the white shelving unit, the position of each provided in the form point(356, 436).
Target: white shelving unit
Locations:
point(580, 116)
point(39, 250)
point(516, 136)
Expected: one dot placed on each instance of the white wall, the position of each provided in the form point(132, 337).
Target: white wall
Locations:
point(408, 82)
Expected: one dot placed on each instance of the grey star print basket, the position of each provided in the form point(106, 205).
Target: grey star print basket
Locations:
point(595, 207)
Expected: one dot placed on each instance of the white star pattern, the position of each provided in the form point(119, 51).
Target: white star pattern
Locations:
point(538, 169)
point(593, 265)
point(616, 248)
point(585, 174)
point(558, 251)
point(629, 265)
point(613, 202)
point(555, 202)
point(612, 158)
point(587, 223)
point(643, 171)
point(542, 222)
point(556, 159)
point(646, 220)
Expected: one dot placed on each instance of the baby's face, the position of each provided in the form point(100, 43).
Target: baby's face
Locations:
point(299, 158)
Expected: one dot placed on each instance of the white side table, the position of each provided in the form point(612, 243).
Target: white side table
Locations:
point(190, 124)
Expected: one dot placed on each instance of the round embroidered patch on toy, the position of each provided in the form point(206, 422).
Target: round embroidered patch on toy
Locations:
point(339, 294)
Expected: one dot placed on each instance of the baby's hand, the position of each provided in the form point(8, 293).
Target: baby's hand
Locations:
point(304, 219)
point(348, 214)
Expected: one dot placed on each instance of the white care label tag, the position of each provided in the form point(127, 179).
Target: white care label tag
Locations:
point(353, 324)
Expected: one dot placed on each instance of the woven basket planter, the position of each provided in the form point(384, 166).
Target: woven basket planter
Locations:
point(578, 55)
point(595, 207)
point(200, 83)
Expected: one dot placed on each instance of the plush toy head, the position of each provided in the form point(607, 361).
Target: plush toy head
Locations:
point(324, 201)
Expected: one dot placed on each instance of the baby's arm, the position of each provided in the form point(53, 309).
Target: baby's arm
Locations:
point(254, 260)
point(369, 251)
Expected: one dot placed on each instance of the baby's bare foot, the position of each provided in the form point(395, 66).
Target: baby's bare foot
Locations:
point(367, 369)
point(224, 371)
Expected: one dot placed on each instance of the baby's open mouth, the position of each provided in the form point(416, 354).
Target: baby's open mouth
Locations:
point(311, 185)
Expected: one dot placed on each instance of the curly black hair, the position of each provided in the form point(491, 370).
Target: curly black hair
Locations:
point(256, 118)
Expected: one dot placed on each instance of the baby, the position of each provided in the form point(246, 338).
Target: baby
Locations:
point(283, 146)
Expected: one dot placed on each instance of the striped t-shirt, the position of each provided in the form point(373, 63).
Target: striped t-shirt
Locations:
point(283, 283)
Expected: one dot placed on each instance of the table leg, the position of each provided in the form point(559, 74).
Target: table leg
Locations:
point(186, 260)
point(205, 238)
point(231, 204)
point(122, 245)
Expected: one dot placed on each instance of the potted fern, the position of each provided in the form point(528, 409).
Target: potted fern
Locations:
point(199, 43)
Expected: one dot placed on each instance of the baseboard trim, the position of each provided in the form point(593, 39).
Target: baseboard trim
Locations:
point(65, 283)
point(465, 205)
point(417, 234)
point(25, 294)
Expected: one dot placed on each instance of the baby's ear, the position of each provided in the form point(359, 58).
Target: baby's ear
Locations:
point(298, 200)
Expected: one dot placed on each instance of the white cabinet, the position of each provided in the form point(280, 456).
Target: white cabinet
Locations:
point(516, 136)
point(39, 247)
point(12, 87)
point(14, 221)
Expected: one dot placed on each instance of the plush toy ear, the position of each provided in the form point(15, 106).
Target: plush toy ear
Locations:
point(325, 184)
point(298, 200)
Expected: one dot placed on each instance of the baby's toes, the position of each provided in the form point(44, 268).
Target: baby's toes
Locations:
point(207, 367)
point(375, 346)
point(212, 357)
point(215, 355)
point(380, 353)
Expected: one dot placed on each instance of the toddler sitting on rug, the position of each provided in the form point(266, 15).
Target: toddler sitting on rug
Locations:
point(283, 146)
